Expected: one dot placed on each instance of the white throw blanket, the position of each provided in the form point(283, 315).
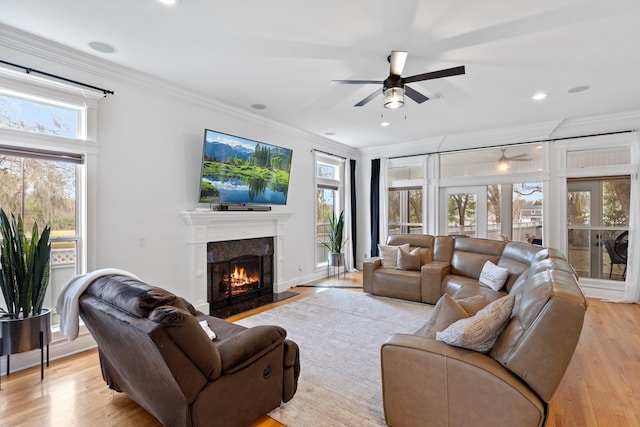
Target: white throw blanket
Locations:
point(68, 306)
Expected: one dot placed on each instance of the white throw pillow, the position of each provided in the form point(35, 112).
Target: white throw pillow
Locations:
point(207, 330)
point(493, 276)
point(479, 332)
point(389, 254)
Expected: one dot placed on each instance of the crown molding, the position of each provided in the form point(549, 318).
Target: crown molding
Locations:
point(75, 60)
point(593, 125)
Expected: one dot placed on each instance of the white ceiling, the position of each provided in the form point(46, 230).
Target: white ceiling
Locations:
point(284, 53)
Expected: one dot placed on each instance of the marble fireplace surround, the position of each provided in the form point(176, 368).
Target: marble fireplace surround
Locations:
point(214, 226)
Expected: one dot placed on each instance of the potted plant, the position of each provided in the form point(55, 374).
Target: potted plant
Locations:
point(336, 238)
point(24, 277)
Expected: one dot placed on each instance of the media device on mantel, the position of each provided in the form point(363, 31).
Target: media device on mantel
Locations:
point(242, 174)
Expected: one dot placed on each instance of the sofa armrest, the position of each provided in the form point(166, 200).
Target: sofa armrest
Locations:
point(369, 266)
point(244, 348)
point(424, 379)
point(432, 275)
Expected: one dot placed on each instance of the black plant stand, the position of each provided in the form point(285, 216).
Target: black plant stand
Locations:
point(20, 335)
point(338, 262)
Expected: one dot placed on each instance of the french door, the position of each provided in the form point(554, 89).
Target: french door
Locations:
point(464, 211)
point(597, 224)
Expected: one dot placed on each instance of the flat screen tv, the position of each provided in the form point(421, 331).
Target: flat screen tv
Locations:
point(237, 170)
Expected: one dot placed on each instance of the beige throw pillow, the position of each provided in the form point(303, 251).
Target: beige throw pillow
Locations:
point(389, 254)
point(479, 332)
point(446, 311)
point(408, 260)
point(493, 276)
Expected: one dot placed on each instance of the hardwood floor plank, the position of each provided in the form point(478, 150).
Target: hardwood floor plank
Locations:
point(600, 388)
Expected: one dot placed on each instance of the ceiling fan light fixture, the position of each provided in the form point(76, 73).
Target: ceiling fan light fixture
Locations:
point(393, 97)
point(503, 165)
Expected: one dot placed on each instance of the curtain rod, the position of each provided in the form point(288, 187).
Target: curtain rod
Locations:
point(29, 70)
point(515, 143)
point(329, 154)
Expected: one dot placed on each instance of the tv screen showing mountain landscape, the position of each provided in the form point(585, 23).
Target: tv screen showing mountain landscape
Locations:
point(239, 170)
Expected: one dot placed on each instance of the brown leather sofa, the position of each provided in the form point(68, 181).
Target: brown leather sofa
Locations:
point(450, 265)
point(153, 348)
point(428, 382)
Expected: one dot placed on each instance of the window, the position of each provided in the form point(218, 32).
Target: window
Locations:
point(466, 215)
point(405, 210)
point(33, 114)
point(329, 171)
point(405, 196)
point(45, 186)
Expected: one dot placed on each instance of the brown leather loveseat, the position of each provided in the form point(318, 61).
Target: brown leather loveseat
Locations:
point(426, 381)
point(153, 348)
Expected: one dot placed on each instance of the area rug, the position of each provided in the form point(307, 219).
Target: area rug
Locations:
point(339, 333)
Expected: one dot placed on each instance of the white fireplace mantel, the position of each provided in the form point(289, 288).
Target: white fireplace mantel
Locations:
point(216, 226)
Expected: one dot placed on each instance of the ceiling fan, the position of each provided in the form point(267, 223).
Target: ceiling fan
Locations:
point(503, 161)
point(394, 87)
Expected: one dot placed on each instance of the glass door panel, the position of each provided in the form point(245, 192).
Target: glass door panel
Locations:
point(464, 211)
point(597, 224)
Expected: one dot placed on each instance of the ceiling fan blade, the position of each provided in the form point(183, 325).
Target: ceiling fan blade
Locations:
point(415, 95)
point(447, 72)
point(397, 61)
point(520, 157)
point(356, 82)
point(369, 98)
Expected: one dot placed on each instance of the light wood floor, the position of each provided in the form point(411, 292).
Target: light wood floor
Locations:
point(601, 386)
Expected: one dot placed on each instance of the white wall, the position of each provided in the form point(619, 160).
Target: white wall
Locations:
point(149, 166)
point(150, 146)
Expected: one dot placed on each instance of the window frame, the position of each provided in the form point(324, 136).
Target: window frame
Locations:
point(321, 183)
point(85, 146)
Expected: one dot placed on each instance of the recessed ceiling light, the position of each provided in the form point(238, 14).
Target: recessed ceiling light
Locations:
point(385, 124)
point(168, 2)
point(102, 47)
point(539, 96)
point(579, 89)
point(258, 106)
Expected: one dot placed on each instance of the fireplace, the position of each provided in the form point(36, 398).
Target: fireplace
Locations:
point(238, 271)
point(205, 227)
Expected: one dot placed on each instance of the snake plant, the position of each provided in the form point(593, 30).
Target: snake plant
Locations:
point(25, 267)
point(336, 228)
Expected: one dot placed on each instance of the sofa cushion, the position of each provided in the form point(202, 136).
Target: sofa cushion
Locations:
point(470, 254)
point(389, 254)
point(408, 260)
point(493, 276)
point(479, 332)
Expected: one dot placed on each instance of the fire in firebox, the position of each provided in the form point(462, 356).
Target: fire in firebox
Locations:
point(240, 281)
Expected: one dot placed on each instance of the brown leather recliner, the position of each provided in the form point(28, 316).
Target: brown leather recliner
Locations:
point(153, 348)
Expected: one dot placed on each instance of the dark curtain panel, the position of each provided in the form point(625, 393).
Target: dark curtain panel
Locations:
point(354, 231)
point(375, 206)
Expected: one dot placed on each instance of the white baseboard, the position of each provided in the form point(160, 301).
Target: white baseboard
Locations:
point(604, 290)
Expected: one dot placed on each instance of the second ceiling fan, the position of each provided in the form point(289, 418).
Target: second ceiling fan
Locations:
point(394, 87)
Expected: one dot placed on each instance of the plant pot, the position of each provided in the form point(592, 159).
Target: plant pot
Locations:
point(19, 335)
point(336, 259)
